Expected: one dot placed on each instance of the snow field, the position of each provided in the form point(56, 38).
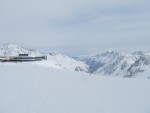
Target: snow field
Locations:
point(30, 88)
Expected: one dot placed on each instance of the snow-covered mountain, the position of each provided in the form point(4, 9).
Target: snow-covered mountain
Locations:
point(59, 61)
point(13, 50)
point(110, 63)
point(113, 63)
point(54, 60)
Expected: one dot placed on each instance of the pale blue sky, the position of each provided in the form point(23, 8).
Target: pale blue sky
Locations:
point(76, 27)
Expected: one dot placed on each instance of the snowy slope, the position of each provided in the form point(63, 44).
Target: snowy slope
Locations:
point(13, 50)
point(59, 61)
point(55, 60)
point(28, 88)
point(119, 64)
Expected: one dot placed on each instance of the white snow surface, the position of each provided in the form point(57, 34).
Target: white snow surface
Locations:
point(31, 88)
point(113, 63)
point(59, 61)
point(54, 60)
point(13, 50)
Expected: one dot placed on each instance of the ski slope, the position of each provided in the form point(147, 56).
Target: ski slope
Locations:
point(31, 88)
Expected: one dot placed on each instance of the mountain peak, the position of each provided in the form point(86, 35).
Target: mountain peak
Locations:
point(138, 53)
point(11, 49)
point(119, 64)
point(112, 54)
point(54, 59)
point(110, 51)
point(9, 44)
point(53, 53)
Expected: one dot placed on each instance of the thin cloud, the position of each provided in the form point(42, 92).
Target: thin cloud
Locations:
point(66, 24)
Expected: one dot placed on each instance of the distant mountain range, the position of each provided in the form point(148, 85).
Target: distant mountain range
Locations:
point(109, 63)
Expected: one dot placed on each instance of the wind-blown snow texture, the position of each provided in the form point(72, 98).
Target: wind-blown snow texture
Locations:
point(29, 88)
point(112, 63)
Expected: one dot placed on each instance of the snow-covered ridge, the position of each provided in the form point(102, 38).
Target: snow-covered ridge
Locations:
point(13, 50)
point(59, 61)
point(136, 64)
point(109, 63)
point(54, 60)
